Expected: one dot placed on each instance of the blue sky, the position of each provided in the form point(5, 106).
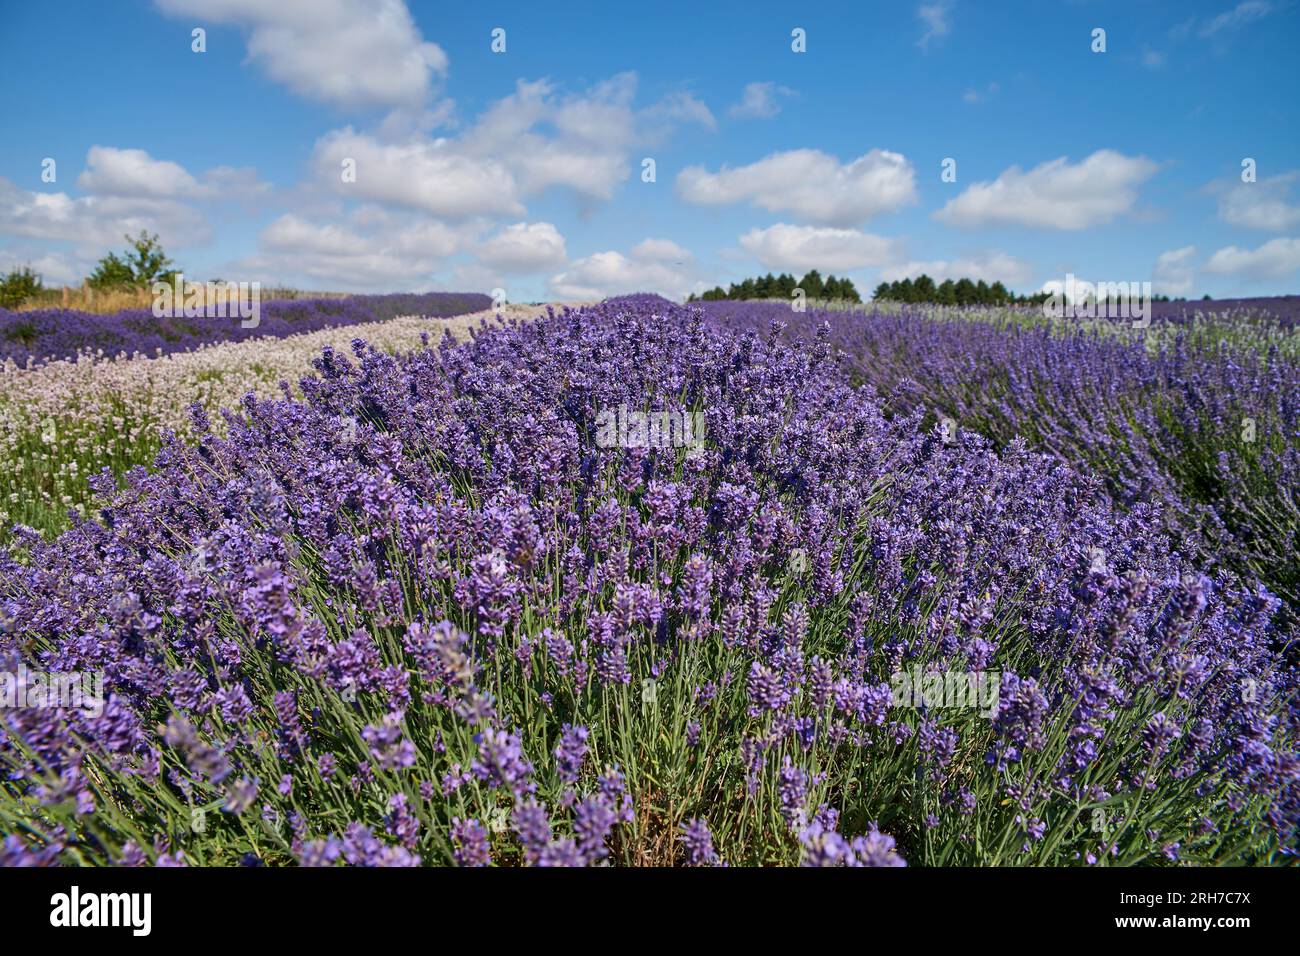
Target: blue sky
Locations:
point(524, 169)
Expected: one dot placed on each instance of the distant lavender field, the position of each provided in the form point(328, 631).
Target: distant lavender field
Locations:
point(1284, 308)
point(42, 335)
point(1204, 429)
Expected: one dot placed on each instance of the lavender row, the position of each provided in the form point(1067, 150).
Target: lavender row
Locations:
point(429, 616)
point(41, 335)
point(1210, 437)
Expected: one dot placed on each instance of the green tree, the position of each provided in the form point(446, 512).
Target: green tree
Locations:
point(143, 264)
point(923, 288)
point(965, 292)
point(18, 286)
point(812, 284)
point(946, 293)
point(111, 273)
point(882, 292)
point(149, 264)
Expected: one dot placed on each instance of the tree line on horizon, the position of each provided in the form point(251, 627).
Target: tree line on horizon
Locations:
point(923, 289)
point(961, 292)
point(782, 287)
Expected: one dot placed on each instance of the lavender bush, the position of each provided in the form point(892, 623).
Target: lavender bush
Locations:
point(1210, 435)
point(425, 617)
point(41, 335)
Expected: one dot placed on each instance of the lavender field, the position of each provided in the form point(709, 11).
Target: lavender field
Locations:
point(418, 612)
point(39, 336)
point(720, 442)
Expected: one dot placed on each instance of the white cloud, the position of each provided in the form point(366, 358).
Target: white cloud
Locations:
point(524, 247)
point(348, 53)
point(1174, 273)
point(374, 250)
point(593, 133)
point(128, 191)
point(523, 144)
point(1054, 194)
point(1240, 15)
point(682, 108)
point(935, 16)
point(97, 221)
point(654, 265)
point(133, 173)
point(53, 268)
point(428, 175)
point(809, 184)
point(1259, 205)
point(990, 266)
point(759, 101)
point(785, 247)
point(1273, 260)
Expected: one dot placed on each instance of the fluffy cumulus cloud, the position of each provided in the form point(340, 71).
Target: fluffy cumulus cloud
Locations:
point(133, 173)
point(97, 221)
point(576, 140)
point(587, 150)
point(654, 265)
point(1265, 204)
point(523, 247)
point(348, 53)
point(125, 191)
point(810, 185)
point(785, 247)
point(428, 175)
point(1174, 273)
point(1056, 194)
point(1275, 259)
point(992, 266)
point(759, 101)
point(371, 249)
point(523, 144)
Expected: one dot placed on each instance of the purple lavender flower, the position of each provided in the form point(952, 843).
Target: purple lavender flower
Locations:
point(570, 753)
point(698, 841)
point(470, 842)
